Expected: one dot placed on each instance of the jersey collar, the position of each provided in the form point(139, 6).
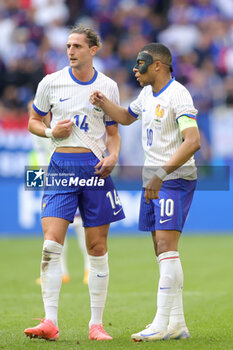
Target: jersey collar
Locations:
point(164, 88)
point(83, 82)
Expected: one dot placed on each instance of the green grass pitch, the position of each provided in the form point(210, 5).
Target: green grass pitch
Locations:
point(208, 294)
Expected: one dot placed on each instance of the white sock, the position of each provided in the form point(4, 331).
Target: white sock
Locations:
point(64, 268)
point(98, 285)
point(80, 233)
point(177, 319)
point(168, 267)
point(51, 278)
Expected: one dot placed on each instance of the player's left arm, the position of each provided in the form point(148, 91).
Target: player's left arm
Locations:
point(189, 146)
point(113, 144)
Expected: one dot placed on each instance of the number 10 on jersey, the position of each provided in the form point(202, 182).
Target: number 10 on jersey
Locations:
point(149, 133)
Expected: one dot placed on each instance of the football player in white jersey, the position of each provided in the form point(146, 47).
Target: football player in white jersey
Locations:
point(77, 134)
point(170, 137)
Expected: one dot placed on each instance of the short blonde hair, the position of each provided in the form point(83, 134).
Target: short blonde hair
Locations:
point(93, 38)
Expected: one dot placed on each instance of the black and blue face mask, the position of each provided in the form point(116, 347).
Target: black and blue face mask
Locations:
point(147, 59)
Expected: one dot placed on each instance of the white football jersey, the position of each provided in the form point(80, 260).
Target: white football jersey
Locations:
point(161, 136)
point(66, 98)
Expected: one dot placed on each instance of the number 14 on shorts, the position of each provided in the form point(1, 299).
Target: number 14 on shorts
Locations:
point(114, 201)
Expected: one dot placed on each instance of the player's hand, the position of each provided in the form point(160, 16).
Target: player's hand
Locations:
point(97, 98)
point(153, 188)
point(105, 166)
point(63, 129)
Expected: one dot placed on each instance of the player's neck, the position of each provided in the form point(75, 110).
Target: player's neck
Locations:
point(83, 74)
point(160, 83)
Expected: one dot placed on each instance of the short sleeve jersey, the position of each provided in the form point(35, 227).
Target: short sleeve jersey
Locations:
point(66, 97)
point(161, 136)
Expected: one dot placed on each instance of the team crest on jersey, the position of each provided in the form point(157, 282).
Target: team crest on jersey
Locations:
point(98, 112)
point(159, 112)
point(98, 109)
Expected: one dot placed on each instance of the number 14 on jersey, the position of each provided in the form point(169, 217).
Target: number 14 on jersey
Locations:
point(83, 124)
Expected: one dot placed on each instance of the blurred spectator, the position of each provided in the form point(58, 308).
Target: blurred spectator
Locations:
point(202, 97)
point(222, 131)
point(225, 8)
point(48, 11)
point(181, 38)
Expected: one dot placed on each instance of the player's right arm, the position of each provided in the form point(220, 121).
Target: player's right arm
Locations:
point(117, 113)
point(37, 126)
point(39, 110)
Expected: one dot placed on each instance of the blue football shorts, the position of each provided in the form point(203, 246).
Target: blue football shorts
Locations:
point(98, 205)
point(170, 211)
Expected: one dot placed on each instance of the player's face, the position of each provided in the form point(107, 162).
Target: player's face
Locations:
point(147, 78)
point(78, 51)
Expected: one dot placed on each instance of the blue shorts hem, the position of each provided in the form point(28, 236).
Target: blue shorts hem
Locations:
point(87, 224)
point(104, 222)
point(57, 216)
point(159, 229)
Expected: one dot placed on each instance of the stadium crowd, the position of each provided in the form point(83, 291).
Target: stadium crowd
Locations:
point(198, 32)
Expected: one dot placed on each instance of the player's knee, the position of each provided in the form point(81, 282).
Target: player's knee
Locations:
point(96, 249)
point(53, 236)
point(162, 246)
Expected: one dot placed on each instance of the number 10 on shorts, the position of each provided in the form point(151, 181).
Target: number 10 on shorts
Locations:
point(167, 207)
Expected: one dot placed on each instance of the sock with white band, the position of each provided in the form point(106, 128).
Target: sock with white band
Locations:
point(177, 319)
point(51, 278)
point(168, 267)
point(98, 285)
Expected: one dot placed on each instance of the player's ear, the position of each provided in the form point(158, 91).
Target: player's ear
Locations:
point(93, 50)
point(157, 66)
